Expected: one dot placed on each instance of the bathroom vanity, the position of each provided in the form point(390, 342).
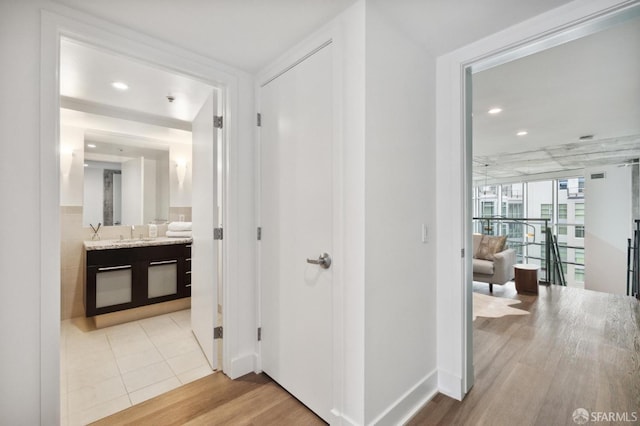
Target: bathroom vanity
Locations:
point(126, 274)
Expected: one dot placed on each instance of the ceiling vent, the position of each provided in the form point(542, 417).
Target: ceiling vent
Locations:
point(586, 138)
point(597, 175)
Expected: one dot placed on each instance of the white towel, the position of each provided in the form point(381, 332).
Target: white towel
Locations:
point(179, 226)
point(179, 234)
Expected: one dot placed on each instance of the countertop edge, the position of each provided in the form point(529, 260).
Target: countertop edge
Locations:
point(118, 244)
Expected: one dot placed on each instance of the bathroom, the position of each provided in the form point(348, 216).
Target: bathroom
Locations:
point(126, 177)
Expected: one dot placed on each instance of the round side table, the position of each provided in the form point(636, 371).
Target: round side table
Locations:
point(526, 277)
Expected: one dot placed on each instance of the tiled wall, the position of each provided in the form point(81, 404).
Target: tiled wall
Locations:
point(71, 279)
point(73, 234)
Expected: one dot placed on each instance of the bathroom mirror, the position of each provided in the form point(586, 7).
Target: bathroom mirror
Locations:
point(125, 183)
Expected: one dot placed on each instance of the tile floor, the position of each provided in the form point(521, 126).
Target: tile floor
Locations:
point(105, 371)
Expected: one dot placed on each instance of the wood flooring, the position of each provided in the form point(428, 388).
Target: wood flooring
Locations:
point(252, 400)
point(575, 349)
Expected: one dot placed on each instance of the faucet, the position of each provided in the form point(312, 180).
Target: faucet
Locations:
point(133, 228)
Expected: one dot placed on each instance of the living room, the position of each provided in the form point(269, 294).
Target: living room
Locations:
point(556, 138)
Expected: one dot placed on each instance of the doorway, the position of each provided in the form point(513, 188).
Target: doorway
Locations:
point(141, 358)
point(597, 21)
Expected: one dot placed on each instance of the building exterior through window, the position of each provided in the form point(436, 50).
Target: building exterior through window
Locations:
point(561, 201)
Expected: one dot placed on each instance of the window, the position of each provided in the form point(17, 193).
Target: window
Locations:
point(578, 275)
point(579, 254)
point(562, 184)
point(562, 251)
point(515, 210)
point(487, 208)
point(562, 229)
point(546, 211)
point(579, 212)
point(579, 233)
point(562, 211)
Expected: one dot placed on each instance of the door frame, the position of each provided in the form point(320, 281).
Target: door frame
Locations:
point(60, 22)
point(330, 35)
point(453, 163)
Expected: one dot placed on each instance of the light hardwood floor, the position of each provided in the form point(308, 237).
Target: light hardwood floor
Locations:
point(216, 400)
point(575, 349)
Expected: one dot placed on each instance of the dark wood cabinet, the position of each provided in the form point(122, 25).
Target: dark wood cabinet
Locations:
point(123, 278)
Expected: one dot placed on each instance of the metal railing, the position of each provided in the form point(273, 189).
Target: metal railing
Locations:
point(487, 225)
point(633, 263)
point(545, 252)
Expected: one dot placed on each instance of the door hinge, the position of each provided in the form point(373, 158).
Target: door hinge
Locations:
point(259, 119)
point(259, 233)
point(217, 121)
point(217, 233)
point(259, 334)
point(462, 253)
point(217, 333)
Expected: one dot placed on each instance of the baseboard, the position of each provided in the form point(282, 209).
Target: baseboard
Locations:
point(344, 420)
point(241, 365)
point(450, 385)
point(411, 402)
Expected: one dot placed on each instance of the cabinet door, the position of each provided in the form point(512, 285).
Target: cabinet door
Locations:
point(114, 286)
point(162, 279)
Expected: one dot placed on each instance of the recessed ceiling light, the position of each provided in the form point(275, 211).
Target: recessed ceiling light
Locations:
point(522, 133)
point(119, 85)
point(90, 145)
point(86, 165)
point(495, 110)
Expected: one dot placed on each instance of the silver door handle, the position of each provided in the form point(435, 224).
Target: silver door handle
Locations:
point(324, 261)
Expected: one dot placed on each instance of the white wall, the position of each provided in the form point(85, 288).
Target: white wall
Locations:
point(400, 308)
point(71, 190)
point(351, 380)
point(132, 191)
point(608, 223)
point(149, 189)
point(93, 210)
point(163, 185)
point(20, 259)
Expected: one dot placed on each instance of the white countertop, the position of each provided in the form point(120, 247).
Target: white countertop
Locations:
point(144, 242)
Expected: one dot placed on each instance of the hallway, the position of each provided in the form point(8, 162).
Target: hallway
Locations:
point(576, 349)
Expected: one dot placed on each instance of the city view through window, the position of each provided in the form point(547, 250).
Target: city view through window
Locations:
point(560, 201)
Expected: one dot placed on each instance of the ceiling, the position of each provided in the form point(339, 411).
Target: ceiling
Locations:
point(590, 86)
point(122, 122)
point(248, 34)
point(86, 74)
point(583, 87)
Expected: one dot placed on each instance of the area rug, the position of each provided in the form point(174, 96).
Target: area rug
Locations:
point(494, 307)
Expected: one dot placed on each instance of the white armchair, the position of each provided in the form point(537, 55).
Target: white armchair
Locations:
point(496, 271)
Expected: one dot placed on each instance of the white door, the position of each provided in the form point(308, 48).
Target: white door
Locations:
point(204, 211)
point(296, 218)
